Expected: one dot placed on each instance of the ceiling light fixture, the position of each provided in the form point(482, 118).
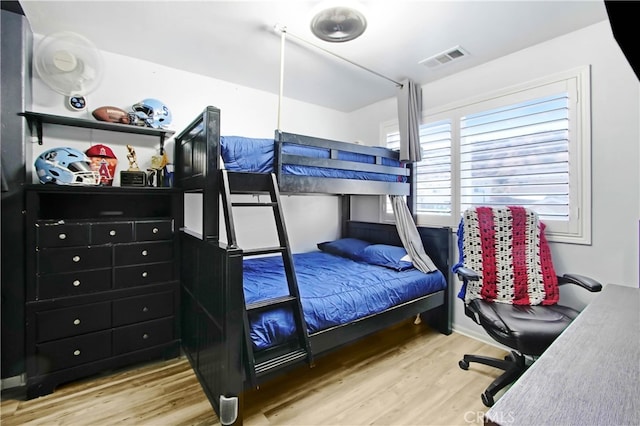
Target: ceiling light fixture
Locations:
point(338, 24)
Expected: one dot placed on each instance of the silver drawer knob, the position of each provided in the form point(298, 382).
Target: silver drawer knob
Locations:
point(144, 274)
point(145, 336)
point(76, 352)
point(145, 309)
point(76, 259)
point(112, 232)
point(155, 230)
point(144, 252)
point(76, 283)
point(62, 236)
point(76, 321)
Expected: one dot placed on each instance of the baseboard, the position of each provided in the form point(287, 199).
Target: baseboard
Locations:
point(13, 382)
point(480, 336)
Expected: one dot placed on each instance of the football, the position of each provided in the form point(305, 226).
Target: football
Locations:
point(111, 114)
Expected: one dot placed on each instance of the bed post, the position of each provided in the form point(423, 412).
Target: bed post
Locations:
point(277, 155)
point(210, 207)
point(442, 317)
point(345, 214)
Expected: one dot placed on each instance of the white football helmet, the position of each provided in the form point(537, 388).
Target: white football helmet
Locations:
point(65, 166)
point(152, 112)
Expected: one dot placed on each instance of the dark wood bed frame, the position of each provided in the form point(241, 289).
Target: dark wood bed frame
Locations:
point(212, 301)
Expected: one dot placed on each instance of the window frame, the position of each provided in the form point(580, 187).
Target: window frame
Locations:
point(577, 82)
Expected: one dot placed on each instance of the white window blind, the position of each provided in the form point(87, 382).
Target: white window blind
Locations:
point(433, 173)
point(517, 155)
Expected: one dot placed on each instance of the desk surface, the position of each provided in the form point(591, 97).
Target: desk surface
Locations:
point(590, 375)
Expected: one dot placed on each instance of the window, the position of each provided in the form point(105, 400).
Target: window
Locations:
point(434, 171)
point(528, 146)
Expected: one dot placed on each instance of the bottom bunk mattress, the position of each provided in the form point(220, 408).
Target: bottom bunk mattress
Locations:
point(334, 290)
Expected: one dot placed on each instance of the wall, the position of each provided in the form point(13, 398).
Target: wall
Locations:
point(613, 255)
point(244, 112)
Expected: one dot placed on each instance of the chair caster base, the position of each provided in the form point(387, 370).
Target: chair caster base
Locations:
point(513, 366)
point(487, 399)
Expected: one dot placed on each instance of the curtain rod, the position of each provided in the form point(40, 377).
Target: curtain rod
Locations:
point(283, 30)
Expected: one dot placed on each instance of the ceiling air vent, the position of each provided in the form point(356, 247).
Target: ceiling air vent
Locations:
point(449, 55)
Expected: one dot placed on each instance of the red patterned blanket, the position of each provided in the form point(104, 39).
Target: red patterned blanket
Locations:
point(507, 247)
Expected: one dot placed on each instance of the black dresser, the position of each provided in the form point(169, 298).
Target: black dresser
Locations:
point(102, 280)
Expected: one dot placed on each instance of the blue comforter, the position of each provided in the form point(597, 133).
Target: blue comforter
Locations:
point(334, 290)
point(256, 155)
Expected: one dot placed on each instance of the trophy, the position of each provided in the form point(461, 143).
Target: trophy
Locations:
point(133, 176)
point(133, 161)
point(155, 173)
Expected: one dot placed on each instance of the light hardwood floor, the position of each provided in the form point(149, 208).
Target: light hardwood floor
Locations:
point(406, 375)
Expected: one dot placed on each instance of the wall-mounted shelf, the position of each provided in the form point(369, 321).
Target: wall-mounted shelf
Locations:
point(36, 119)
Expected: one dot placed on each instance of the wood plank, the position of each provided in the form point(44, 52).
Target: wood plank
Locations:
point(406, 375)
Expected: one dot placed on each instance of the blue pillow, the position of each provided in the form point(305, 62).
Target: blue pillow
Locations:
point(387, 256)
point(346, 247)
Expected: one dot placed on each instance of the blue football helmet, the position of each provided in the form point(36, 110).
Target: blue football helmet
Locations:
point(153, 113)
point(65, 166)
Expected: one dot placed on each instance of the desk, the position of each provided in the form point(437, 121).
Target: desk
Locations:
point(590, 375)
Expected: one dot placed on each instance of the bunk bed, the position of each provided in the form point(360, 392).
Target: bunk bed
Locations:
point(217, 313)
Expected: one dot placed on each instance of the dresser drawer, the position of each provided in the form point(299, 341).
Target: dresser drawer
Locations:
point(142, 308)
point(141, 336)
point(131, 254)
point(151, 273)
point(73, 259)
point(60, 234)
point(73, 351)
point(154, 230)
point(73, 283)
point(58, 323)
point(111, 232)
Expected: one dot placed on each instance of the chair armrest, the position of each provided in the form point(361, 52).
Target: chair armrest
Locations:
point(467, 274)
point(584, 282)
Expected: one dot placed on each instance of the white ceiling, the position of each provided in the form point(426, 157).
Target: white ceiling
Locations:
point(235, 40)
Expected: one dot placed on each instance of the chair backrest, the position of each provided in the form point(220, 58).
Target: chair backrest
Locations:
point(506, 246)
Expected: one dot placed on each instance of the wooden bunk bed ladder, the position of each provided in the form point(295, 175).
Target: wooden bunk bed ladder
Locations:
point(288, 353)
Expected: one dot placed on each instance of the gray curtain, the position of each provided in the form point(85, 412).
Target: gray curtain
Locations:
point(409, 235)
point(409, 116)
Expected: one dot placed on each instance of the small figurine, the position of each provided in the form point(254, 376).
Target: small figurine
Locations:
point(133, 162)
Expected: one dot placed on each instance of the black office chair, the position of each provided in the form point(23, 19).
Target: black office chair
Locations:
point(510, 287)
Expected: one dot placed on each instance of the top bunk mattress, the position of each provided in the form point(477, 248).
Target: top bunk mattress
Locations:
point(242, 154)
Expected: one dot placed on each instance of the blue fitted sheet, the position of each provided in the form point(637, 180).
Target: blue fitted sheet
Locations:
point(334, 290)
point(256, 155)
